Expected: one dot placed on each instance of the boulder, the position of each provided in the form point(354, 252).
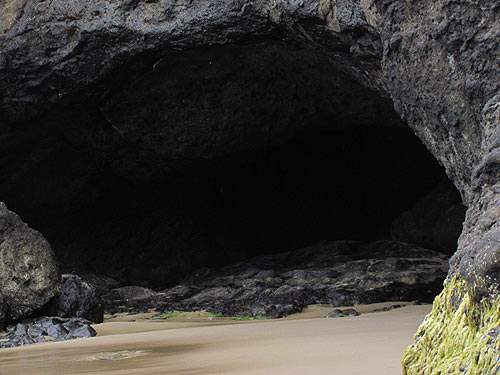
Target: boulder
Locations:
point(29, 275)
point(76, 299)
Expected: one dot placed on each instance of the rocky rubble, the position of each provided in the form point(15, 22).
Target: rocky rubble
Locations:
point(339, 273)
point(46, 329)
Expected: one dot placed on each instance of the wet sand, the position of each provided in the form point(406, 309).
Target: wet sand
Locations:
point(303, 344)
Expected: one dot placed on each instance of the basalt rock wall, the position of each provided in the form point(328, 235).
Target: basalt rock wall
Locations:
point(109, 76)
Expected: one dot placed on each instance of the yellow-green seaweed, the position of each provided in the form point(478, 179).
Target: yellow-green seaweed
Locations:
point(457, 337)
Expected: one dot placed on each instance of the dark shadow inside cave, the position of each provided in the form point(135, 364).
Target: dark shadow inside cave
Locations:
point(308, 155)
point(321, 185)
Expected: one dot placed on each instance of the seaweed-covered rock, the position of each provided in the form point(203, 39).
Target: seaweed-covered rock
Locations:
point(76, 299)
point(28, 270)
point(46, 329)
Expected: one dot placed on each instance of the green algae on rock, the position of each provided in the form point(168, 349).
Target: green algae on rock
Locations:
point(459, 336)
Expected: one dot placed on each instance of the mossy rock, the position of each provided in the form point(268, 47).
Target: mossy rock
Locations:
point(459, 336)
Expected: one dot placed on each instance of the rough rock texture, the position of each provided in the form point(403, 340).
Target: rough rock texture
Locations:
point(76, 299)
point(46, 329)
point(435, 222)
point(339, 273)
point(453, 105)
point(28, 269)
point(437, 59)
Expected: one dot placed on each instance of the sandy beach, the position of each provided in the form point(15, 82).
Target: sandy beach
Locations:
point(306, 343)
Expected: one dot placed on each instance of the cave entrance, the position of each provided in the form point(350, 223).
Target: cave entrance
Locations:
point(220, 154)
point(364, 183)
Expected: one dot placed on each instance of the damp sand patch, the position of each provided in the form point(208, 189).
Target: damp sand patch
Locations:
point(116, 356)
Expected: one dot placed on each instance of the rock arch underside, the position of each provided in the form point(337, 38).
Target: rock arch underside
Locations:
point(103, 102)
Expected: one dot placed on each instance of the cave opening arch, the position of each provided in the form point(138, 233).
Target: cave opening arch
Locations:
point(216, 154)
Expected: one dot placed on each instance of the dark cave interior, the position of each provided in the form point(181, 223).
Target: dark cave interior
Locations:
point(214, 157)
point(321, 185)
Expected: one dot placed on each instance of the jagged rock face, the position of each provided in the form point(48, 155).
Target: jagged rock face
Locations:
point(28, 269)
point(443, 77)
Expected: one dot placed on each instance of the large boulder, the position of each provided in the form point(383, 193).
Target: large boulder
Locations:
point(29, 275)
point(76, 299)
